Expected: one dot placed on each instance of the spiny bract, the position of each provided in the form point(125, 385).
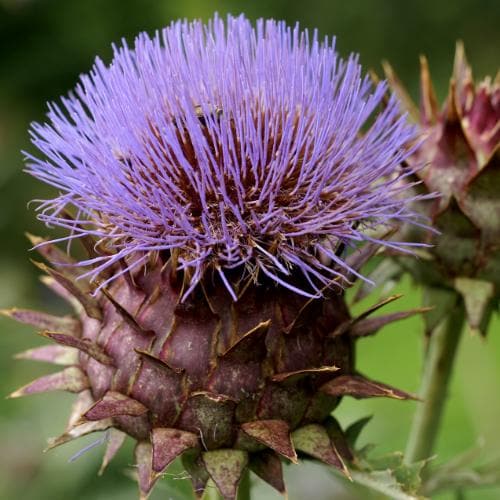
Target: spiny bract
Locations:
point(461, 158)
point(216, 174)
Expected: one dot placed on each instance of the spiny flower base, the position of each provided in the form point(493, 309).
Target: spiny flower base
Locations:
point(227, 385)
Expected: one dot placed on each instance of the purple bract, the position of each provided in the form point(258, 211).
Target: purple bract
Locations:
point(230, 146)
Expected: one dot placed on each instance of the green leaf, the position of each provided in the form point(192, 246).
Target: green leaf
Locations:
point(463, 479)
point(389, 474)
point(409, 475)
point(461, 473)
point(354, 430)
point(383, 482)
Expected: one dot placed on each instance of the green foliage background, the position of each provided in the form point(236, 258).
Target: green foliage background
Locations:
point(44, 46)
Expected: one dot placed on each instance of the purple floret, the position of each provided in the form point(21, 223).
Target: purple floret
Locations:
point(231, 147)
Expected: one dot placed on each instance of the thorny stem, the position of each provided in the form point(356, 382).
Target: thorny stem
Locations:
point(438, 367)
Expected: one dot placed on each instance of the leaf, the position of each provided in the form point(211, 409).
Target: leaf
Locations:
point(383, 482)
point(390, 475)
point(488, 475)
point(461, 473)
point(409, 475)
point(354, 430)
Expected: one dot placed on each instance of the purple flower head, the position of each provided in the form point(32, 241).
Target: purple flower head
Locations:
point(231, 147)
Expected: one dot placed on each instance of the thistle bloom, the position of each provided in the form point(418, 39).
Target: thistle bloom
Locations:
point(462, 163)
point(460, 272)
point(229, 146)
point(215, 173)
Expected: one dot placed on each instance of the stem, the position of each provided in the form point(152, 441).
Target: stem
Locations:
point(211, 492)
point(244, 487)
point(438, 366)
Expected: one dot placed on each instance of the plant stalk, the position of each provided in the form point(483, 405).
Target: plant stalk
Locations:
point(212, 493)
point(438, 367)
point(244, 487)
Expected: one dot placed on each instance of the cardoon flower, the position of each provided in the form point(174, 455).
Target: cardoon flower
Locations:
point(216, 175)
point(461, 158)
point(460, 272)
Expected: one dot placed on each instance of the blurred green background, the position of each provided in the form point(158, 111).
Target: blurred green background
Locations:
point(44, 46)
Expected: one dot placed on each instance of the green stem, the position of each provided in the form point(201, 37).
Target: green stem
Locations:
point(438, 366)
point(211, 492)
point(244, 487)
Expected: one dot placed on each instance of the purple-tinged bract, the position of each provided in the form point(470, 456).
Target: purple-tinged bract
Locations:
point(230, 146)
